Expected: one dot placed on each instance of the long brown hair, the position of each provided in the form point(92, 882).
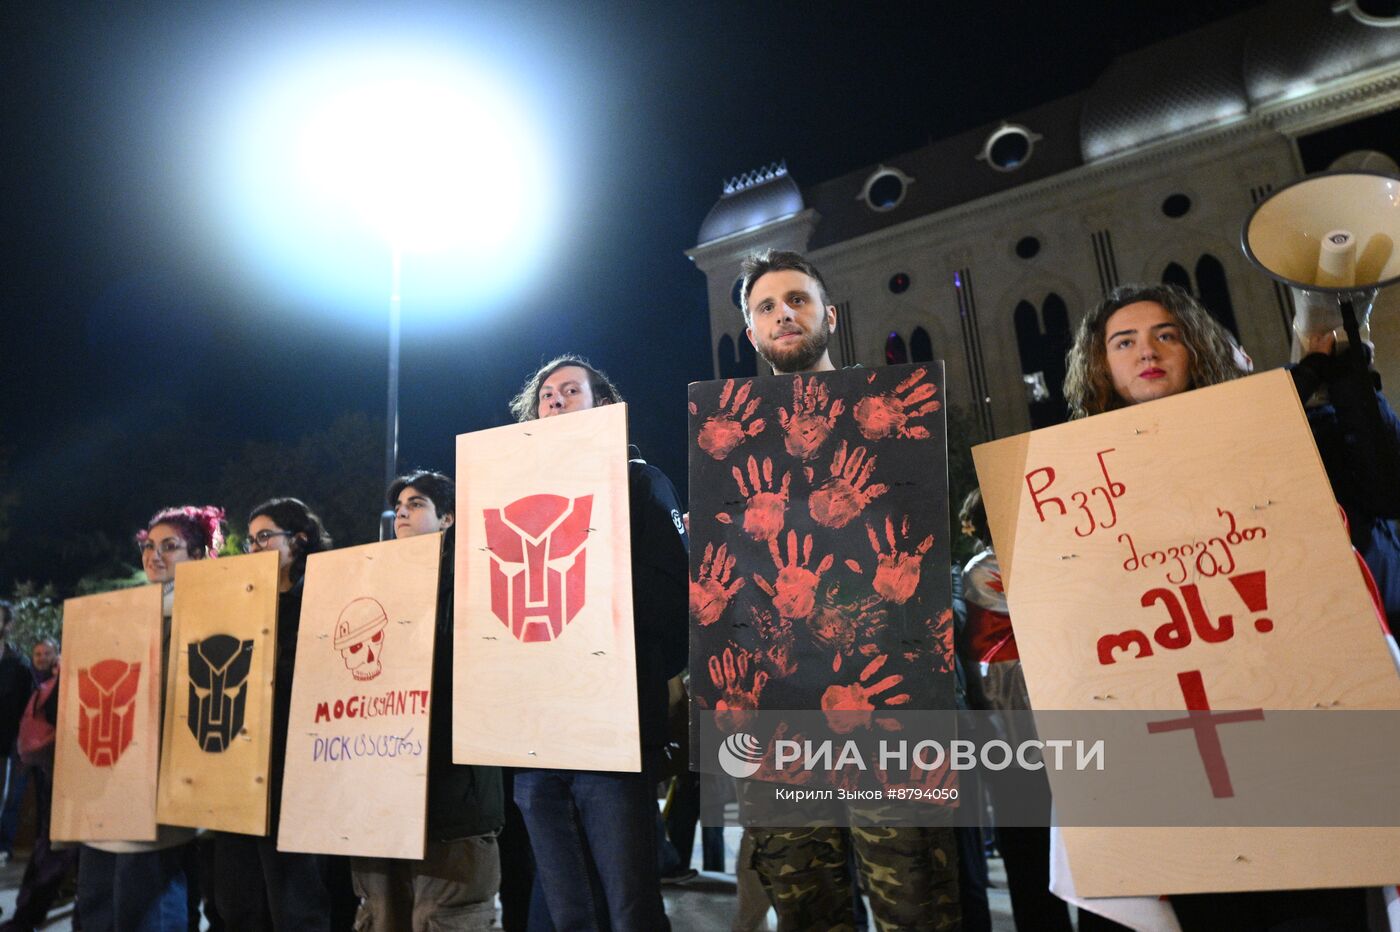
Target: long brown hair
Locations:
point(1089, 384)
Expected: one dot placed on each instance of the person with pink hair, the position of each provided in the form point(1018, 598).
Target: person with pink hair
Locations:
point(140, 886)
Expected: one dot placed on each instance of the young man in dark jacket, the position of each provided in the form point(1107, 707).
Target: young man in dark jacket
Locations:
point(611, 817)
point(454, 886)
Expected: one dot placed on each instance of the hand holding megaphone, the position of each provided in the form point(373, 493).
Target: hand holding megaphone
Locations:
point(1331, 239)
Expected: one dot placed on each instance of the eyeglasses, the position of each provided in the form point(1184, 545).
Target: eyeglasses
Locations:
point(166, 547)
point(260, 540)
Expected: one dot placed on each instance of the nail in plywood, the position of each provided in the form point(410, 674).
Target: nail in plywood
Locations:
point(1124, 539)
point(107, 747)
point(544, 671)
point(357, 741)
point(218, 711)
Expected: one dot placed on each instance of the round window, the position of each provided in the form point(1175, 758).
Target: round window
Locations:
point(1371, 12)
point(899, 283)
point(1028, 247)
point(1176, 205)
point(1009, 147)
point(885, 189)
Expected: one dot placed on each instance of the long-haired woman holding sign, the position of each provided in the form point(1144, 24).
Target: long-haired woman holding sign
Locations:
point(134, 884)
point(1141, 343)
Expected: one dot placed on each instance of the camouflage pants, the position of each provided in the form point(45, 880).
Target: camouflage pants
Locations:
point(909, 874)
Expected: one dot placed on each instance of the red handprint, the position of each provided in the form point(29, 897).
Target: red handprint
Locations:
point(766, 508)
point(738, 692)
point(857, 700)
point(794, 593)
point(878, 416)
point(777, 638)
point(942, 630)
point(837, 624)
point(725, 430)
point(711, 591)
point(810, 422)
point(897, 572)
point(839, 499)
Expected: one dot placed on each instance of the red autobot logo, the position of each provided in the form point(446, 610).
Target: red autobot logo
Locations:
point(537, 563)
point(106, 719)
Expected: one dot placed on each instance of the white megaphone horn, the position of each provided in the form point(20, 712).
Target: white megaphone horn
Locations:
point(1332, 238)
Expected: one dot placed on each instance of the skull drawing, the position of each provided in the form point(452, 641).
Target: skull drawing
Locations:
point(107, 696)
point(537, 563)
point(359, 636)
point(219, 668)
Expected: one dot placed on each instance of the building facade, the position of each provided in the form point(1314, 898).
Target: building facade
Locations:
point(984, 249)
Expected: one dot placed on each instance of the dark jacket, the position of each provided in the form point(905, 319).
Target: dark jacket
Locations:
point(16, 684)
point(288, 623)
point(463, 800)
point(1359, 455)
point(660, 606)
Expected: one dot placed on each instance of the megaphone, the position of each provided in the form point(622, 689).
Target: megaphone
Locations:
point(1331, 238)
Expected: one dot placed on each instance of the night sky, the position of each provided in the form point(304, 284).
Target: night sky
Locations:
point(139, 352)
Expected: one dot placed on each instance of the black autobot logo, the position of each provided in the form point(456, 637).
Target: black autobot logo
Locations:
point(219, 667)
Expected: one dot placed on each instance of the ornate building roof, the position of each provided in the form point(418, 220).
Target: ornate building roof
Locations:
point(1223, 72)
point(752, 199)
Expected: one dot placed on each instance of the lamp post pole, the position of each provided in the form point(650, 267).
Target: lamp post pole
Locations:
point(391, 420)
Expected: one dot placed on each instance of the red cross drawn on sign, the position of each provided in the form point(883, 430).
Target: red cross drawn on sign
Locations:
point(1204, 723)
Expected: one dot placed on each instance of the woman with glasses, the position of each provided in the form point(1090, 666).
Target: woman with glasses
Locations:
point(259, 887)
point(141, 885)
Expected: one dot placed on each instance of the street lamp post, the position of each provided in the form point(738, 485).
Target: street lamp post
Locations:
point(404, 142)
point(391, 418)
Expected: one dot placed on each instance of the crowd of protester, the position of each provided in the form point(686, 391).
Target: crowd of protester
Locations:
point(581, 850)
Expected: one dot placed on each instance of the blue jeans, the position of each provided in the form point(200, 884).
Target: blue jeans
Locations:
point(143, 892)
point(577, 816)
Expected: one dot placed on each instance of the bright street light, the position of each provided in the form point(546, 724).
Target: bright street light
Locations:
point(389, 149)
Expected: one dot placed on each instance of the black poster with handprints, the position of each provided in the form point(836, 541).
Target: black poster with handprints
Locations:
point(819, 542)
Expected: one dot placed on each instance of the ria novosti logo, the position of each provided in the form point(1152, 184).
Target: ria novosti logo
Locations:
point(740, 755)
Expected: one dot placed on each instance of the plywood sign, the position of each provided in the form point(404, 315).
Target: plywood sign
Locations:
point(107, 747)
point(357, 740)
point(819, 542)
point(1187, 554)
point(544, 671)
point(218, 710)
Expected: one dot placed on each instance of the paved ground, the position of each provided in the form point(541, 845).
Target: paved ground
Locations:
point(706, 905)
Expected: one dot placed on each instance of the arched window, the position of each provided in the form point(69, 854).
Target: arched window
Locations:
point(1043, 340)
point(1210, 288)
point(920, 346)
point(895, 351)
point(736, 357)
point(748, 359)
point(1214, 292)
point(1178, 276)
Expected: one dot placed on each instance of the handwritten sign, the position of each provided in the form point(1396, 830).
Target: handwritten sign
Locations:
point(357, 737)
point(107, 742)
point(1187, 554)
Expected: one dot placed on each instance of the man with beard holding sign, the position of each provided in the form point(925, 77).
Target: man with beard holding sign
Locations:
point(910, 873)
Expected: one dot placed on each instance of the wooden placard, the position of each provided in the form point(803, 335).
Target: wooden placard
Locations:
point(819, 553)
point(544, 665)
point(357, 741)
point(1124, 541)
point(107, 742)
point(218, 710)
